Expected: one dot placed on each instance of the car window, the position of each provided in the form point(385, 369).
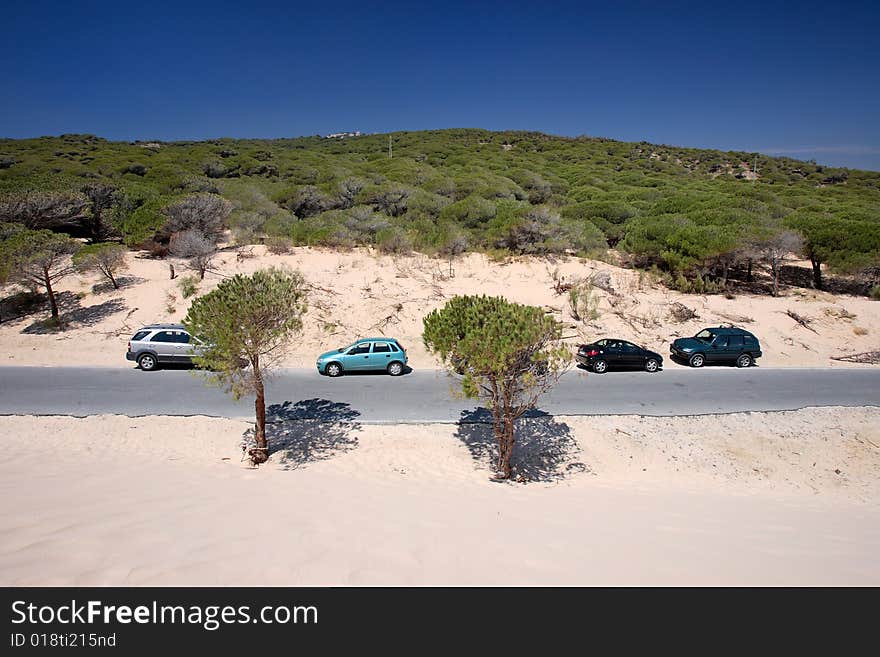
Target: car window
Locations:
point(736, 341)
point(164, 336)
point(750, 340)
point(601, 343)
point(705, 335)
point(182, 337)
point(359, 349)
point(720, 341)
point(140, 335)
point(393, 346)
point(381, 348)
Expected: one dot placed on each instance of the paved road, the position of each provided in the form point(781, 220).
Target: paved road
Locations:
point(426, 396)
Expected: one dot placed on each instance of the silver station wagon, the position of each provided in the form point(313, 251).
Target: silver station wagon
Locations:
point(161, 343)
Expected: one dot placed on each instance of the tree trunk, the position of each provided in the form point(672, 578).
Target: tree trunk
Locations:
point(260, 453)
point(749, 271)
point(775, 270)
point(47, 281)
point(817, 273)
point(507, 452)
point(112, 280)
point(171, 269)
point(498, 430)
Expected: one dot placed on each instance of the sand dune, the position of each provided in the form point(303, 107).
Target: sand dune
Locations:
point(359, 294)
point(752, 498)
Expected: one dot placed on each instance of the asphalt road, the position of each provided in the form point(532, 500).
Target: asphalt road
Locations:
point(427, 396)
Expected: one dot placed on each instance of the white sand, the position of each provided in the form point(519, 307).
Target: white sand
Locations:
point(753, 498)
point(360, 294)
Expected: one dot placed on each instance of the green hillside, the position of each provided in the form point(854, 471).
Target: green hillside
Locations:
point(692, 213)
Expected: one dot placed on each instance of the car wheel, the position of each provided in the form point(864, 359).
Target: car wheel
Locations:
point(395, 369)
point(697, 360)
point(745, 360)
point(651, 365)
point(600, 366)
point(333, 369)
point(147, 362)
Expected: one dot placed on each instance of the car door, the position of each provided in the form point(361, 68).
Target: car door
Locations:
point(611, 352)
point(184, 347)
point(718, 351)
point(164, 344)
point(734, 346)
point(630, 355)
point(380, 356)
point(358, 357)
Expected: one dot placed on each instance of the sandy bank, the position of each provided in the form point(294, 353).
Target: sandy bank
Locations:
point(754, 498)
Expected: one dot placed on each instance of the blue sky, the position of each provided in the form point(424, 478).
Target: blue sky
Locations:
point(797, 78)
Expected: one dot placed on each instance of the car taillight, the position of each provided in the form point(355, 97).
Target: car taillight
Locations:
point(129, 345)
point(593, 352)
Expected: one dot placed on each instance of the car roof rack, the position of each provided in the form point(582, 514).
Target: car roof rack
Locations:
point(177, 327)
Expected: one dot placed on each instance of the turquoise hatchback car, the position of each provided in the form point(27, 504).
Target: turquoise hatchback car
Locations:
point(366, 354)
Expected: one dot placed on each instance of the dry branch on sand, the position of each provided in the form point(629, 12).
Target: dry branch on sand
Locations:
point(736, 319)
point(867, 357)
point(838, 313)
point(560, 285)
point(803, 321)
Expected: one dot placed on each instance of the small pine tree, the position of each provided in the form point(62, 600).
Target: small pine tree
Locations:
point(508, 355)
point(248, 320)
point(39, 258)
point(107, 259)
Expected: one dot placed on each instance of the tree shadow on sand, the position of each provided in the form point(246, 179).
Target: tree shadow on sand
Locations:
point(72, 315)
point(105, 287)
point(308, 431)
point(544, 451)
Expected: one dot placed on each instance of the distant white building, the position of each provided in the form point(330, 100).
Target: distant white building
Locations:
point(343, 135)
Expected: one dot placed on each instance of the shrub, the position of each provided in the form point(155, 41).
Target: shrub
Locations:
point(583, 303)
point(393, 241)
point(135, 169)
point(189, 285)
point(470, 212)
point(278, 245)
point(194, 245)
point(205, 213)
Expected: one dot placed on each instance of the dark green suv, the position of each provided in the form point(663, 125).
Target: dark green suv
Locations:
point(717, 345)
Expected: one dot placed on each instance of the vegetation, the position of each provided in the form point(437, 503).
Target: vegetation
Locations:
point(38, 259)
point(245, 324)
point(193, 244)
point(694, 214)
point(106, 259)
point(507, 354)
point(188, 285)
point(583, 304)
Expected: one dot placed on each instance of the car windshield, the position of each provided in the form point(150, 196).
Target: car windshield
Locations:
point(705, 335)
